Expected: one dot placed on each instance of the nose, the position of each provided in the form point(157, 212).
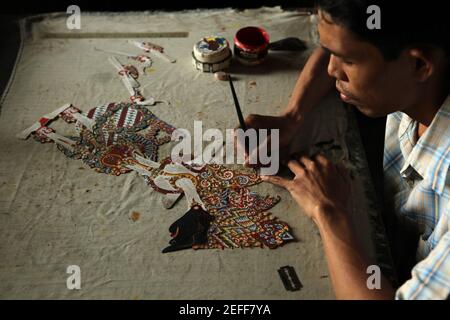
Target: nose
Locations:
point(335, 68)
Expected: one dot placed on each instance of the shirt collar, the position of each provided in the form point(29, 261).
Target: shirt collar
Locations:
point(430, 155)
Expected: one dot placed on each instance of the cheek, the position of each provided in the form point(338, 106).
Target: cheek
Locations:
point(361, 81)
point(373, 90)
point(375, 87)
point(396, 86)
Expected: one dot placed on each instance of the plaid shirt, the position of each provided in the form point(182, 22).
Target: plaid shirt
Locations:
point(417, 186)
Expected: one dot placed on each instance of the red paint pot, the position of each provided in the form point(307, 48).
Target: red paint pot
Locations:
point(251, 45)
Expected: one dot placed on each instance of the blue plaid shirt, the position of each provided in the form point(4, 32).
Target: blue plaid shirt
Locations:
point(417, 186)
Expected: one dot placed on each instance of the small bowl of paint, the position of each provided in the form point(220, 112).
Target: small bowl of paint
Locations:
point(251, 45)
point(211, 54)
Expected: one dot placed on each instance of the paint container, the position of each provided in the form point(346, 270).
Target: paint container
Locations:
point(211, 54)
point(251, 45)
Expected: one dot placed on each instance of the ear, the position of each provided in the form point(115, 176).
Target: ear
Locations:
point(422, 64)
point(324, 17)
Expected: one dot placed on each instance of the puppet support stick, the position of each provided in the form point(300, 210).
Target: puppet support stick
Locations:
point(61, 140)
point(44, 120)
point(151, 47)
point(124, 73)
point(145, 60)
point(87, 122)
point(163, 55)
point(131, 85)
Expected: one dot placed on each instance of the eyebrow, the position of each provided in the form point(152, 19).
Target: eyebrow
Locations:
point(331, 51)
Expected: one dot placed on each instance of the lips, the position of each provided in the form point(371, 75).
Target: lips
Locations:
point(344, 96)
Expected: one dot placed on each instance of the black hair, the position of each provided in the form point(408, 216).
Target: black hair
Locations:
point(404, 24)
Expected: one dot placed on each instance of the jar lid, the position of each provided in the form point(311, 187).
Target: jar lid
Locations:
point(252, 39)
point(212, 49)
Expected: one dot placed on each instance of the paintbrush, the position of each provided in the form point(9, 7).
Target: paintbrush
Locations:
point(237, 106)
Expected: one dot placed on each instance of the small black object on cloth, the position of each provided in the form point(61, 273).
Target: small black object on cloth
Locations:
point(290, 278)
point(288, 44)
point(190, 230)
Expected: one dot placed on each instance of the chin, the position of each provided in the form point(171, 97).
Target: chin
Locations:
point(369, 112)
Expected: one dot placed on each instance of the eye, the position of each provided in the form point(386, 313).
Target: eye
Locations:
point(347, 62)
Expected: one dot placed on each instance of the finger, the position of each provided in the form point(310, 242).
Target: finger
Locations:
point(295, 167)
point(306, 162)
point(321, 159)
point(253, 120)
point(277, 180)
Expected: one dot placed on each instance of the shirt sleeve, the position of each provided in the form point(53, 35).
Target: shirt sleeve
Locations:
point(430, 277)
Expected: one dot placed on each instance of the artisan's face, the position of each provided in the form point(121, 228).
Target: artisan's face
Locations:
point(364, 79)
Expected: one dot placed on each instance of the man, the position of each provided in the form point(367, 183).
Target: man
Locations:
point(402, 71)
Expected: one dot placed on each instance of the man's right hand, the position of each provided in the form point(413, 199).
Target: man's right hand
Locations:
point(312, 85)
point(286, 125)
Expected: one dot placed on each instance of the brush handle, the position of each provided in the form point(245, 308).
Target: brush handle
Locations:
point(237, 106)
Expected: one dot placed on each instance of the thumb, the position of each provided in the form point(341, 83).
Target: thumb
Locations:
point(277, 180)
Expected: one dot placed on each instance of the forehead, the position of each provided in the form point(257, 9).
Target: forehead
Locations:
point(339, 39)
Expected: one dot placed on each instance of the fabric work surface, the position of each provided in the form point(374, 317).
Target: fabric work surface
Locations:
point(56, 212)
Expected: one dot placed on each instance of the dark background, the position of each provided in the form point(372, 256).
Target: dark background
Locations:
point(41, 6)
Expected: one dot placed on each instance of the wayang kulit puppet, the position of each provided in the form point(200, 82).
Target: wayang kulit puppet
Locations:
point(116, 138)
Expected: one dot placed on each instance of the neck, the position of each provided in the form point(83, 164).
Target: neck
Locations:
point(425, 108)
